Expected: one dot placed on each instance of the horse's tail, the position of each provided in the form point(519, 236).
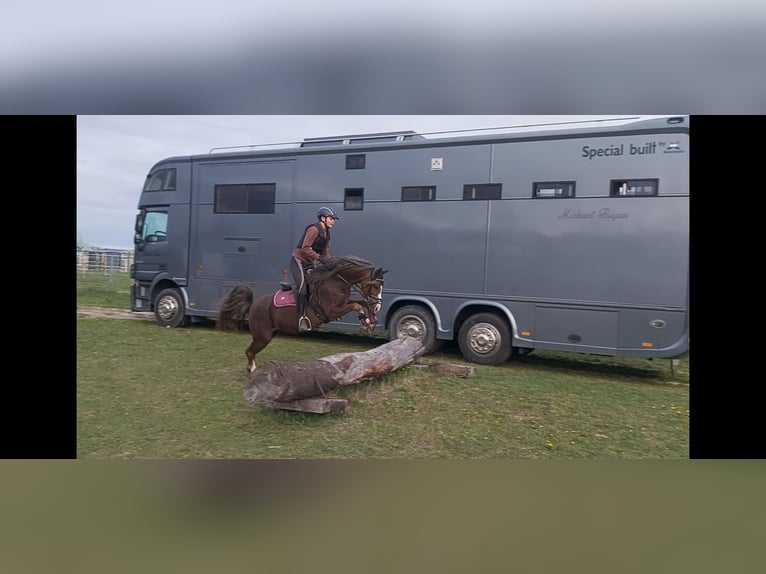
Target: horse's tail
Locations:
point(234, 308)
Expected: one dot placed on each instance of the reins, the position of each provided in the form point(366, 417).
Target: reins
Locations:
point(353, 287)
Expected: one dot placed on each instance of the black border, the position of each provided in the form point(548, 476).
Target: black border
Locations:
point(724, 289)
point(39, 403)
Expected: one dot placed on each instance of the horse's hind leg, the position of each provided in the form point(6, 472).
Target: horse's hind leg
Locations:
point(255, 347)
point(250, 358)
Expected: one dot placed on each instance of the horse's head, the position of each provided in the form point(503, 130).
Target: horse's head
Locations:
point(371, 287)
point(358, 275)
point(342, 275)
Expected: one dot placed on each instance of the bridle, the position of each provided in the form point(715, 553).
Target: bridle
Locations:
point(371, 300)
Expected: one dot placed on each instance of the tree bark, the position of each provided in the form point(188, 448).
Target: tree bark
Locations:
point(292, 381)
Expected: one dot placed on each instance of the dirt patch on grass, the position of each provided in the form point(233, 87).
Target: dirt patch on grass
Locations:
point(106, 313)
point(372, 393)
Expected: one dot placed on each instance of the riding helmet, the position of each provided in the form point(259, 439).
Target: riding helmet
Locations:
point(327, 212)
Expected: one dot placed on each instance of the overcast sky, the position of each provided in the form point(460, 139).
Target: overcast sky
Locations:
point(394, 57)
point(115, 153)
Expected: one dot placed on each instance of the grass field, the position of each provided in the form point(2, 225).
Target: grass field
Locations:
point(148, 392)
point(111, 289)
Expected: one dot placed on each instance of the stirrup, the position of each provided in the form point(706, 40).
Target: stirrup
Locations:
point(304, 324)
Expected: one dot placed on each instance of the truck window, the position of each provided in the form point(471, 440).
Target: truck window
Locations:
point(155, 226)
point(419, 193)
point(353, 199)
point(482, 191)
point(355, 161)
point(633, 187)
point(553, 189)
point(245, 198)
point(161, 180)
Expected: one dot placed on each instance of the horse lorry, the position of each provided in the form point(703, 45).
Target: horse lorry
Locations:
point(562, 238)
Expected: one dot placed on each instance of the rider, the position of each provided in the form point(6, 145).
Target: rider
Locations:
point(313, 248)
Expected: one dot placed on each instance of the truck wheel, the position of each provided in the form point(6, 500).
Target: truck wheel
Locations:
point(169, 309)
point(485, 338)
point(415, 321)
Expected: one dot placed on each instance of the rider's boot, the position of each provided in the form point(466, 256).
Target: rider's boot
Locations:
point(303, 322)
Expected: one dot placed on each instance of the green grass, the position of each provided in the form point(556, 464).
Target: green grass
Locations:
point(148, 392)
point(99, 289)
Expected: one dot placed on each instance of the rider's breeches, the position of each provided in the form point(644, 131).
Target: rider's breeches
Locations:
point(300, 283)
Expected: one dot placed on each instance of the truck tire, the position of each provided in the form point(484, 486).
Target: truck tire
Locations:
point(169, 309)
point(485, 338)
point(415, 321)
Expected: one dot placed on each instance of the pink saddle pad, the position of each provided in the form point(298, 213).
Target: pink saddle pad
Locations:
point(284, 299)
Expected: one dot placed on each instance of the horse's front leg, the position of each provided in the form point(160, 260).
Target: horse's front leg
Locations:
point(361, 312)
point(365, 320)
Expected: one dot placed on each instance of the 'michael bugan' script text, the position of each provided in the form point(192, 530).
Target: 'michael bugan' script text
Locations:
point(603, 213)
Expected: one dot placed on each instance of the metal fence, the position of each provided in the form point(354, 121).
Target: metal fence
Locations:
point(106, 261)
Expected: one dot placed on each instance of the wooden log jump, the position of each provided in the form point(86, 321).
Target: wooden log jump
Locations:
point(320, 405)
point(275, 384)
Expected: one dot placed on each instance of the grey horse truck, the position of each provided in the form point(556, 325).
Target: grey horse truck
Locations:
point(564, 238)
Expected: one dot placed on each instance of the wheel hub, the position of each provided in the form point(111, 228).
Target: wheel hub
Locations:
point(167, 308)
point(484, 338)
point(412, 328)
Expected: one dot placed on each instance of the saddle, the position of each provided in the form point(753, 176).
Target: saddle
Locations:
point(285, 297)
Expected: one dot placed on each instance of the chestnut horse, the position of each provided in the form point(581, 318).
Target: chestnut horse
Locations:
point(330, 287)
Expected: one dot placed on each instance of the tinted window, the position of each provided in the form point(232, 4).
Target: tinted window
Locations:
point(553, 189)
point(245, 198)
point(353, 199)
point(161, 180)
point(419, 193)
point(633, 187)
point(355, 161)
point(482, 191)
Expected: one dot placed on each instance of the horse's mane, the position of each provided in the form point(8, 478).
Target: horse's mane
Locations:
point(335, 266)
